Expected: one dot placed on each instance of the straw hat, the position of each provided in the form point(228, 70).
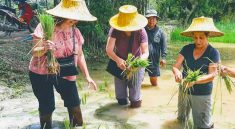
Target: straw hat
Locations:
point(72, 9)
point(152, 13)
point(128, 19)
point(202, 24)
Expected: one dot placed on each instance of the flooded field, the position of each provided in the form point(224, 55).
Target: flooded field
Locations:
point(101, 111)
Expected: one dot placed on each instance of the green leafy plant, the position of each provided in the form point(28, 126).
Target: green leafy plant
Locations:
point(48, 26)
point(133, 64)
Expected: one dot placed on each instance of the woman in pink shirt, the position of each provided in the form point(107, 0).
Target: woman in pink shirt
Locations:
point(67, 40)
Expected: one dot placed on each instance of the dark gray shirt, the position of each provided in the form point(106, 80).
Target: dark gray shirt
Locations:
point(201, 63)
point(157, 45)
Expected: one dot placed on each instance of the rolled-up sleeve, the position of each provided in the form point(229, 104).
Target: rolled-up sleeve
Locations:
point(38, 32)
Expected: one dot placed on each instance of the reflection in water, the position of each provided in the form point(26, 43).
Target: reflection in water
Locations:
point(118, 114)
point(175, 124)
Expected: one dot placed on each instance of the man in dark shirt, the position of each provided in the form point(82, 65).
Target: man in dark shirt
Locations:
point(157, 46)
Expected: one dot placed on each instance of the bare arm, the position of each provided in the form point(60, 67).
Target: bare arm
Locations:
point(38, 49)
point(112, 55)
point(212, 72)
point(176, 68)
point(144, 49)
point(83, 66)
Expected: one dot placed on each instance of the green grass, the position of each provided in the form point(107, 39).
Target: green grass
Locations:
point(226, 52)
point(229, 33)
point(228, 29)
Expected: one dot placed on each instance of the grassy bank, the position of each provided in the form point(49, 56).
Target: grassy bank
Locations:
point(226, 51)
point(227, 28)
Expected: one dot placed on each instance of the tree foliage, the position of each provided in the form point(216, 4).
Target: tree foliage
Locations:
point(186, 10)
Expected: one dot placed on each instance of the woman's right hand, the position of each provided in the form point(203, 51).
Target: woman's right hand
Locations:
point(49, 45)
point(121, 64)
point(178, 76)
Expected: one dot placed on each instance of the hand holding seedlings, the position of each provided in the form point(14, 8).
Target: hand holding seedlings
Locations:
point(178, 76)
point(121, 64)
point(49, 45)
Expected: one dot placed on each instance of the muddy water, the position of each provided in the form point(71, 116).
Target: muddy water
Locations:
point(102, 111)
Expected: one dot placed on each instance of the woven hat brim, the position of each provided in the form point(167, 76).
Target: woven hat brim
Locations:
point(73, 13)
point(138, 23)
point(211, 33)
point(152, 15)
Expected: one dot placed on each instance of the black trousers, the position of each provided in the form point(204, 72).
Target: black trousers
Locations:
point(43, 89)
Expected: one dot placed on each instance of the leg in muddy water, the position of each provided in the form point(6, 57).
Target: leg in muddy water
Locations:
point(134, 89)
point(154, 73)
point(75, 116)
point(46, 121)
point(121, 91)
point(69, 93)
point(153, 81)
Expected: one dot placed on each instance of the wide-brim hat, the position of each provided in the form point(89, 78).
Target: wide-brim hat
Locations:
point(152, 13)
point(202, 24)
point(128, 19)
point(72, 9)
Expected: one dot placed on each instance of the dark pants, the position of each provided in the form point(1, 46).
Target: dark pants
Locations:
point(43, 89)
point(153, 71)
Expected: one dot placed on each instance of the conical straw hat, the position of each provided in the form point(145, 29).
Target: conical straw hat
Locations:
point(128, 19)
point(202, 24)
point(72, 9)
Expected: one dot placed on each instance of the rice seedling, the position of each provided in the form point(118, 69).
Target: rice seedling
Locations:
point(133, 64)
point(102, 88)
point(80, 85)
point(84, 97)
point(84, 126)
point(48, 26)
point(229, 84)
point(103, 126)
point(66, 123)
point(184, 91)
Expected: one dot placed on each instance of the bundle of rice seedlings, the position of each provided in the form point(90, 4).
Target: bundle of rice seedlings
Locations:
point(133, 64)
point(48, 26)
point(185, 92)
point(228, 84)
point(227, 80)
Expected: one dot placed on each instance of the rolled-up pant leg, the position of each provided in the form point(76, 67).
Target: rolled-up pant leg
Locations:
point(120, 89)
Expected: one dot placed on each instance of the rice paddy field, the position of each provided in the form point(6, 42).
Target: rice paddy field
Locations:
point(101, 111)
point(227, 28)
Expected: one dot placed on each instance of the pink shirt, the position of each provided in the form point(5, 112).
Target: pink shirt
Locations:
point(63, 47)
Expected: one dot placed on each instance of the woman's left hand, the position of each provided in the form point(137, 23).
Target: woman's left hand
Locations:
point(190, 84)
point(91, 82)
